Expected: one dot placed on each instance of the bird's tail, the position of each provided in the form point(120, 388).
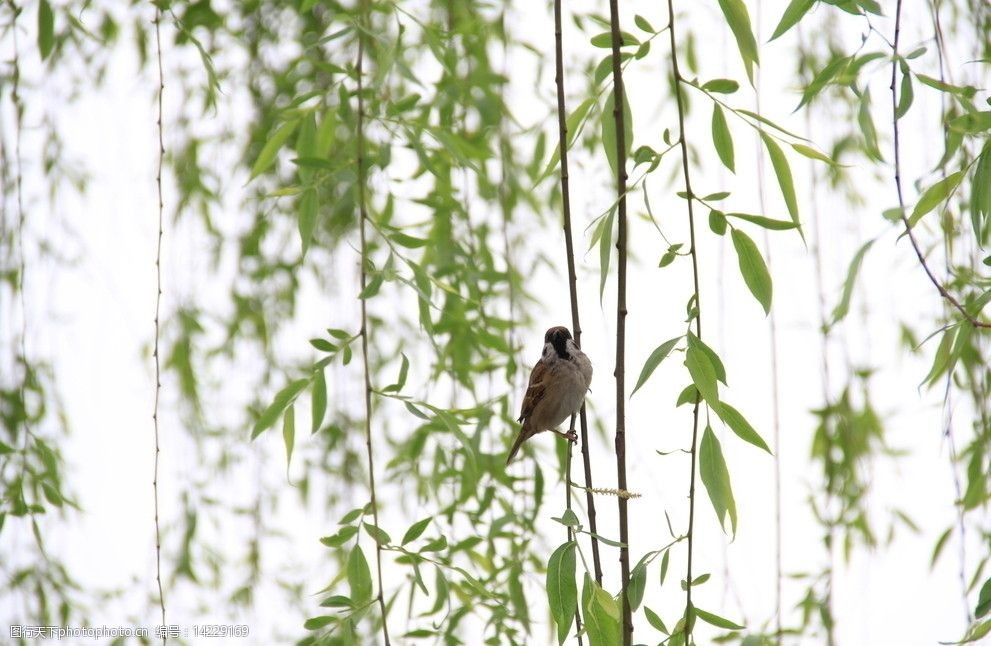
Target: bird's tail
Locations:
point(521, 437)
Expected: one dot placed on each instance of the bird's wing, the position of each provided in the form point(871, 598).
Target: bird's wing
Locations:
point(535, 391)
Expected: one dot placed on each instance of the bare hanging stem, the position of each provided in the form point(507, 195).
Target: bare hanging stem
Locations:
point(158, 309)
point(363, 216)
point(576, 326)
point(826, 372)
point(775, 386)
point(676, 73)
point(620, 374)
point(898, 182)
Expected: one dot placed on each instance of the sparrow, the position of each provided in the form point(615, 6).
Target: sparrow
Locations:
point(557, 388)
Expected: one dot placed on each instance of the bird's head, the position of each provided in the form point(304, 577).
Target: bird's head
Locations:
point(558, 337)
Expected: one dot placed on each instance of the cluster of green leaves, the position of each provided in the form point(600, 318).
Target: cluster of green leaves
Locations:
point(428, 245)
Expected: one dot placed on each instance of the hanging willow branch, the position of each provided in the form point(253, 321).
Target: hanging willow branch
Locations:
point(676, 73)
point(363, 217)
point(618, 108)
point(775, 382)
point(158, 308)
point(573, 283)
point(898, 183)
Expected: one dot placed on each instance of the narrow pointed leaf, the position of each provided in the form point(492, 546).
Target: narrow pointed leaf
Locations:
point(656, 357)
point(715, 478)
point(753, 269)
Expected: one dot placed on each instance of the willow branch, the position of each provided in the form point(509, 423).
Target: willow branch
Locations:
point(576, 326)
point(363, 217)
point(775, 382)
point(620, 374)
point(898, 184)
point(679, 95)
point(158, 308)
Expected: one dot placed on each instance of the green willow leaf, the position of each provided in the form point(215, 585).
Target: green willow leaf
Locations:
point(562, 590)
point(703, 373)
point(866, 122)
point(604, 40)
point(271, 148)
point(605, 251)
point(753, 269)
point(415, 530)
point(934, 195)
point(359, 576)
point(980, 195)
point(972, 123)
point(601, 615)
point(905, 94)
point(717, 222)
point(643, 23)
point(573, 125)
point(608, 127)
point(654, 620)
point(825, 75)
point(783, 172)
point(378, 534)
point(716, 620)
point(983, 600)
point(46, 29)
point(738, 19)
point(656, 357)
point(307, 217)
point(792, 15)
point(721, 137)
point(714, 360)
point(289, 434)
point(318, 400)
point(739, 425)
point(767, 223)
point(722, 86)
point(812, 153)
point(940, 544)
point(282, 400)
point(843, 306)
point(715, 477)
point(941, 360)
point(316, 623)
point(638, 583)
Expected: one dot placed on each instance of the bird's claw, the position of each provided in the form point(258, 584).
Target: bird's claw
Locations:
point(572, 437)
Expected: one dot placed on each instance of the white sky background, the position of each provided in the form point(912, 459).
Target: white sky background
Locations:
point(96, 321)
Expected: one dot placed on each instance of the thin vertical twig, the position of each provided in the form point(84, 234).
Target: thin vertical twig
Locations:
point(690, 536)
point(621, 311)
point(775, 382)
point(948, 392)
point(572, 284)
point(826, 371)
point(576, 327)
point(363, 217)
point(158, 308)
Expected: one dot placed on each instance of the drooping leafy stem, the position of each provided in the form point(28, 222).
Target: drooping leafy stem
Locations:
point(619, 99)
point(576, 327)
point(895, 116)
point(158, 309)
point(363, 217)
point(696, 302)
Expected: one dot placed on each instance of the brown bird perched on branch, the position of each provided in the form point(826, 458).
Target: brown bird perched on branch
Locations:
point(556, 390)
